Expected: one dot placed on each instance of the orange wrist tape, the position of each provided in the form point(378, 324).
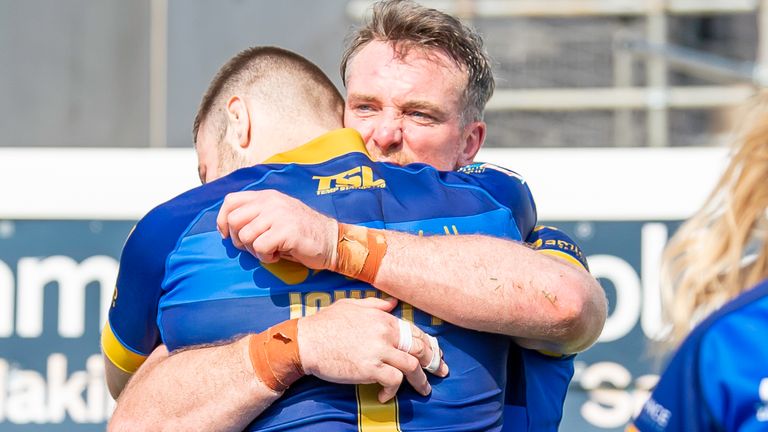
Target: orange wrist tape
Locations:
point(275, 355)
point(360, 251)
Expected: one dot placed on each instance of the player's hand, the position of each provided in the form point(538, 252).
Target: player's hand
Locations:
point(271, 225)
point(355, 341)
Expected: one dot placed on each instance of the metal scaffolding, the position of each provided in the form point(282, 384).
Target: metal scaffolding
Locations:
point(733, 81)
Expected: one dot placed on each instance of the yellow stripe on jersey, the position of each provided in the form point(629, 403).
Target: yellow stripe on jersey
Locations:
point(541, 227)
point(563, 256)
point(324, 148)
point(373, 416)
point(551, 353)
point(120, 356)
point(631, 428)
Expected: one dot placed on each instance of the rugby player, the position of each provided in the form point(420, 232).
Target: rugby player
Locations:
point(180, 285)
point(417, 81)
point(537, 378)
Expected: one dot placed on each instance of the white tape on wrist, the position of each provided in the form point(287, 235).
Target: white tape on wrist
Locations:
point(434, 364)
point(406, 336)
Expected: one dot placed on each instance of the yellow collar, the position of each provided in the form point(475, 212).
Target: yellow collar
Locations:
point(323, 148)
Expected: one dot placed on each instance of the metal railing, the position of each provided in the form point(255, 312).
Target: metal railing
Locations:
point(735, 81)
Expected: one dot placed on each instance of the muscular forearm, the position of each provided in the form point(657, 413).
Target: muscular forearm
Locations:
point(476, 282)
point(206, 389)
point(495, 285)
point(353, 341)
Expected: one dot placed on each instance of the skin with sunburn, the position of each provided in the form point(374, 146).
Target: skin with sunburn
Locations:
point(506, 287)
point(229, 395)
point(409, 108)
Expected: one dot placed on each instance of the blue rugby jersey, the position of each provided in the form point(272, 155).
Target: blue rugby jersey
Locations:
point(537, 382)
point(180, 284)
point(718, 378)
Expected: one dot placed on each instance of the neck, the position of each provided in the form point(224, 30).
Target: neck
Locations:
point(286, 138)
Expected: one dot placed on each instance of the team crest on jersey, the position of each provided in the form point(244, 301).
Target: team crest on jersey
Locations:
point(357, 178)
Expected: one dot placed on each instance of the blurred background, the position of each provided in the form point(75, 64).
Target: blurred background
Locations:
point(616, 111)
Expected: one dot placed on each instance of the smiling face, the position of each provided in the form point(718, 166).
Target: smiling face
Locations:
point(408, 108)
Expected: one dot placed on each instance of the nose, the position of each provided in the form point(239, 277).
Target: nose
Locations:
point(388, 133)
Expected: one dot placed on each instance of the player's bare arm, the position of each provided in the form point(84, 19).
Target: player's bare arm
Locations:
point(203, 398)
point(117, 378)
point(476, 282)
point(350, 342)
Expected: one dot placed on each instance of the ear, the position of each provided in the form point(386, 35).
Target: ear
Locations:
point(238, 122)
point(474, 136)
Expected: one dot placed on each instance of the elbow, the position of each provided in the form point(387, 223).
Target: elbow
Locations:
point(583, 318)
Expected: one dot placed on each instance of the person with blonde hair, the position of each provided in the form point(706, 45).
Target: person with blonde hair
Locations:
point(715, 287)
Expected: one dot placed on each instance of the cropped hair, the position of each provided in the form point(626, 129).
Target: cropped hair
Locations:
point(284, 79)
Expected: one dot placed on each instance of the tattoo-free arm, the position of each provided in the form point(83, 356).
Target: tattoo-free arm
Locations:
point(353, 341)
point(496, 285)
point(206, 389)
point(477, 282)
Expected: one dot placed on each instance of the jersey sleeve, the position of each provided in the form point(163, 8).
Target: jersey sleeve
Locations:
point(734, 370)
point(511, 190)
point(676, 403)
point(508, 188)
point(718, 379)
point(131, 331)
point(551, 241)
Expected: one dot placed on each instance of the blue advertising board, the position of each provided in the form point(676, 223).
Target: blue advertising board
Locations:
point(613, 378)
point(56, 279)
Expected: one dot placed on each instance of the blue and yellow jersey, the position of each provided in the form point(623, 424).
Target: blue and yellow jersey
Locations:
point(718, 378)
point(181, 285)
point(537, 382)
point(555, 243)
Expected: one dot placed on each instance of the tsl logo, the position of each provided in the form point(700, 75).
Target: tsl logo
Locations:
point(357, 178)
